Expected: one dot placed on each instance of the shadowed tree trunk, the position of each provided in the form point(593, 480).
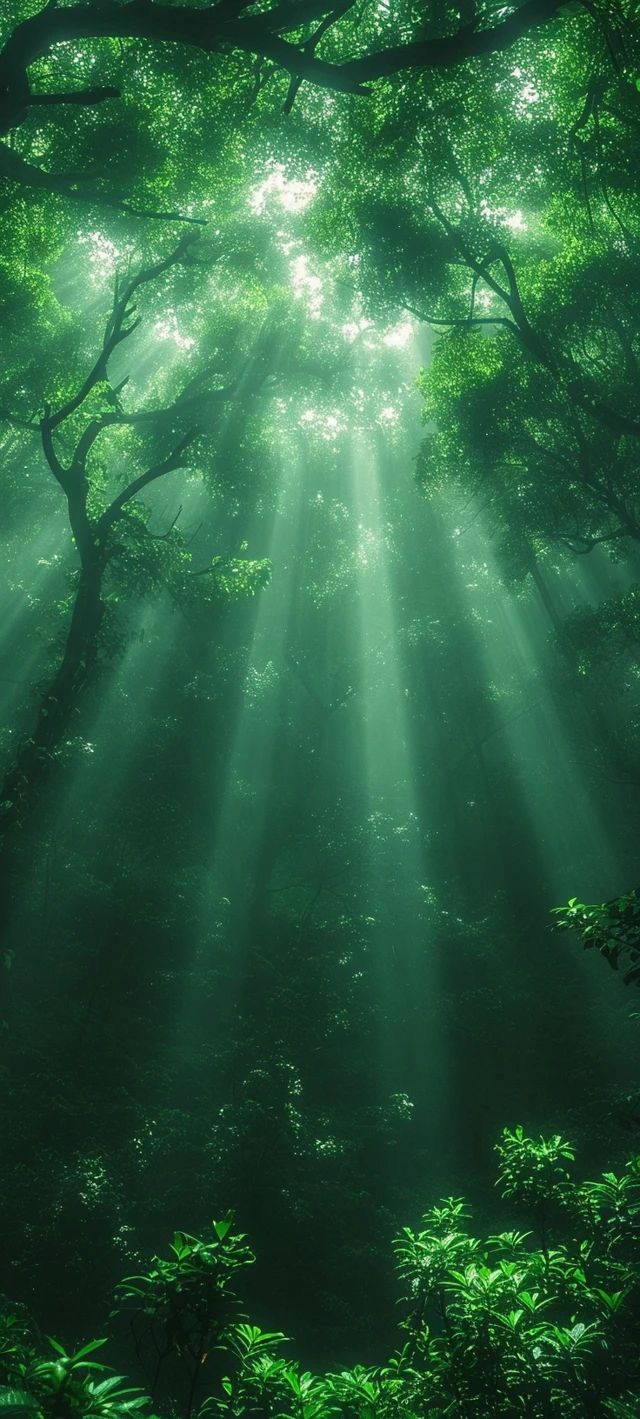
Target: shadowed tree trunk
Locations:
point(60, 699)
point(94, 538)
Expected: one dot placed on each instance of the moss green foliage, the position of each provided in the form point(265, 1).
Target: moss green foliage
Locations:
point(536, 1322)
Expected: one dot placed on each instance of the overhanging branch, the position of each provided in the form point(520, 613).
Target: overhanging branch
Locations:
point(212, 27)
point(17, 169)
point(174, 460)
point(80, 96)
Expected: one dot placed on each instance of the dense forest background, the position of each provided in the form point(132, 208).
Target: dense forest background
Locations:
point(320, 627)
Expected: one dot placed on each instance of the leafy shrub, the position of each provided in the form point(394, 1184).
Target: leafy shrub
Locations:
point(60, 1385)
point(612, 927)
point(186, 1303)
point(537, 1322)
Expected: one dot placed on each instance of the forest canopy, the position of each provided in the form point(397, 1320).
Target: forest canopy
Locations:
point(320, 432)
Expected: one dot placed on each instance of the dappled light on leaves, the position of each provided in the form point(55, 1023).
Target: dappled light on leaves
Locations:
point(320, 709)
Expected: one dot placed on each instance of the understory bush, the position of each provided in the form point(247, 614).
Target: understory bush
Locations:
point(539, 1320)
point(612, 928)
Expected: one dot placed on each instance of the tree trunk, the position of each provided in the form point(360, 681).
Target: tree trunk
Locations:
point(545, 596)
point(35, 755)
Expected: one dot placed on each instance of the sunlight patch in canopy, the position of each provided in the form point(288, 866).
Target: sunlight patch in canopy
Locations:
point(292, 194)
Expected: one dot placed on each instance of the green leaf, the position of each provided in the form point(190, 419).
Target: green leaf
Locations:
point(89, 1348)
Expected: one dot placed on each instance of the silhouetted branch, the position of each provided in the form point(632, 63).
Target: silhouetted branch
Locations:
point(46, 433)
point(163, 536)
point(17, 169)
point(120, 325)
point(18, 422)
point(210, 27)
point(564, 369)
point(581, 545)
point(167, 465)
point(79, 96)
point(464, 322)
point(311, 45)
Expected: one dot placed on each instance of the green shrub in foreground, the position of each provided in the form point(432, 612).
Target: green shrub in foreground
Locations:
point(535, 1322)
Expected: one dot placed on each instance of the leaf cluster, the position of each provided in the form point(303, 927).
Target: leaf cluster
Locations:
point(612, 928)
point(534, 1322)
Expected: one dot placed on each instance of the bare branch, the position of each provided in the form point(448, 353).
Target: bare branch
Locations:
point(163, 536)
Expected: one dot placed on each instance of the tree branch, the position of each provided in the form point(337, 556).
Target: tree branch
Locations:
point(17, 169)
point(463, 322)
point(80, 96)
point(564, 369)
point(207, 29)
point(311, 45)
point(18, 423)
point(570, 540)
point(119, 327)
point(293, 14)
point(446, 51)
point(174, 460)
point(164, 536)
point(60, 473)
point(118, 330)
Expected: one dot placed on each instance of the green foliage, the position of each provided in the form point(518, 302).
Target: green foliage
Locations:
point(533, 1173)
point(612, 928)
point(502, 1327)
point(495, 1325)
point(187, 1302)
point(206, 919)
point(60, 1385)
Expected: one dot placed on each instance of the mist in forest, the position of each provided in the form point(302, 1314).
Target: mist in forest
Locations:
point(320, 710)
